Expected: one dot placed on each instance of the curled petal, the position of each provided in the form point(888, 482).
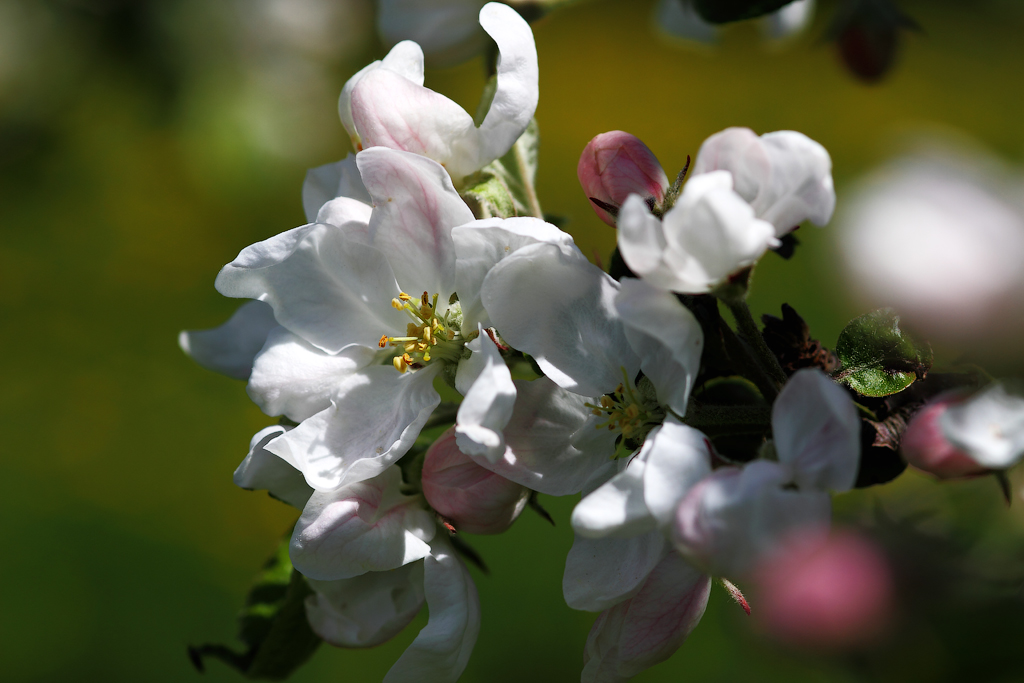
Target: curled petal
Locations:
point(351, 215)
point(373, 420)
point(817, 432)
point(441, 650)
point(785, 176)
point(324, 183)
point(366, 610)
point(261, 469)
point(666, 336)
point(551, 445)
point(648, 627)
point(548, 301)
point(404, 59)
point(294, 378)
point(369, 526)
point(642, 240)
point(231, 348)
point(602, 572)
point(490, 395)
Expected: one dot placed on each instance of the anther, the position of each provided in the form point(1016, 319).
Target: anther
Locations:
point(425, 299)
point(399, 363)
point(404, 297)
point(383, 341)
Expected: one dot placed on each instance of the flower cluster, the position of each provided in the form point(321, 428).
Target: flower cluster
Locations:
point(697, 452)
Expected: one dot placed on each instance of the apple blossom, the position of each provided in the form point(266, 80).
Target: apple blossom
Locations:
point(989, 426)
point(925, 447)
point(474, 500)
point(261, 469)
point(385, 104)
point(231, 348)
point(615, 165)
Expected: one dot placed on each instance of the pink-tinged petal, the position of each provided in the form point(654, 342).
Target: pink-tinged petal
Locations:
point(440, 652)
point(486, 383)
point(736, 517)
point(678, 457)
point(647, 628)
point(548, 301)
point(988, 426)
point(474, 500)
point(515, 99)
point(826, 594)
point(602, 572)
point(261, 469)
point(925, 447)
point(817, 432)
point(665, 335)
point(330, 290)
point(294, 378)
point(369, 526)
point(415, 208)
point(615, 165)
point(374, 418)
point(366, 610)
point(324, 183)
point(231, 348)
point(551, 445)
point(785, 176)
point(479, 245)
point(405, 59)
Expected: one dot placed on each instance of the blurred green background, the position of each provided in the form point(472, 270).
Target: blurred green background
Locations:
point(143, 144)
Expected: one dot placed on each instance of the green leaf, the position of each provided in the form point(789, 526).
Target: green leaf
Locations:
point(505, 187)
point(724, 11)
point(878, 358)
point(272, 624)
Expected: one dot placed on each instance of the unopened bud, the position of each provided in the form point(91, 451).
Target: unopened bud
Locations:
point(473, 499)
point(615, 165)
point(925, 447)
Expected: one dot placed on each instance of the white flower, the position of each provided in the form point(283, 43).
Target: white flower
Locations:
point(710, 234)
point(785, 176)
point(988, 427)
point(386, 104)
point(231, 348)
point(939, 236)
point(737, 516)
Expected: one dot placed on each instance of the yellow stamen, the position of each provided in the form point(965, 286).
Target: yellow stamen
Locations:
point(399, 363)
point(383, 341)
point(404, 297)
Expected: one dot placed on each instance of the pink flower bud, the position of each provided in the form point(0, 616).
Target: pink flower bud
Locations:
point(832, 594)
point(925, 447)
point(615, 165)
point(473, 499)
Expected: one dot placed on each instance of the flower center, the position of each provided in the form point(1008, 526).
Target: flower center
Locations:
point(627, 412)
point(429, 336)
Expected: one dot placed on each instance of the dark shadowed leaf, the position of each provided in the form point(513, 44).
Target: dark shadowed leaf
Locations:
point(878, 358)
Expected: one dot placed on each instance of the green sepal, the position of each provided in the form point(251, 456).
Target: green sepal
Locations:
point(504, 187)
point(272, 624)
point(725, 11)
point(878, 358)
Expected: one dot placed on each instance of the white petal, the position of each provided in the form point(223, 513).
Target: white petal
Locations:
point(786, 176)
point(405, 59)
point(231, 348)
point(441, 650)
point(486, 383)
point(479, 245)
point(677, 458)
point(324, 183)
point(551, 443)
point(616, 508)
point(351, 215)
point(366, 610)
point(261, 469)
point(642, 241)
point(788, 20)
point(817, 432)
point(294, 378)
point(666, 336)
point(736, 517)
point(330, 290)
point(447, 30)
point(369, 526)
point(680, 19)
point(548, 301)
point(415, 208)
point(602, 572)
point(989, 427)
point(646, 629)
point(373, 420)
point(515, 99)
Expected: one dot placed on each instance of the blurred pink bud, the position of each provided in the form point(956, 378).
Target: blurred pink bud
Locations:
point(615, 165)
point(832, 594)
point(473, 499)
point(925, 447)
